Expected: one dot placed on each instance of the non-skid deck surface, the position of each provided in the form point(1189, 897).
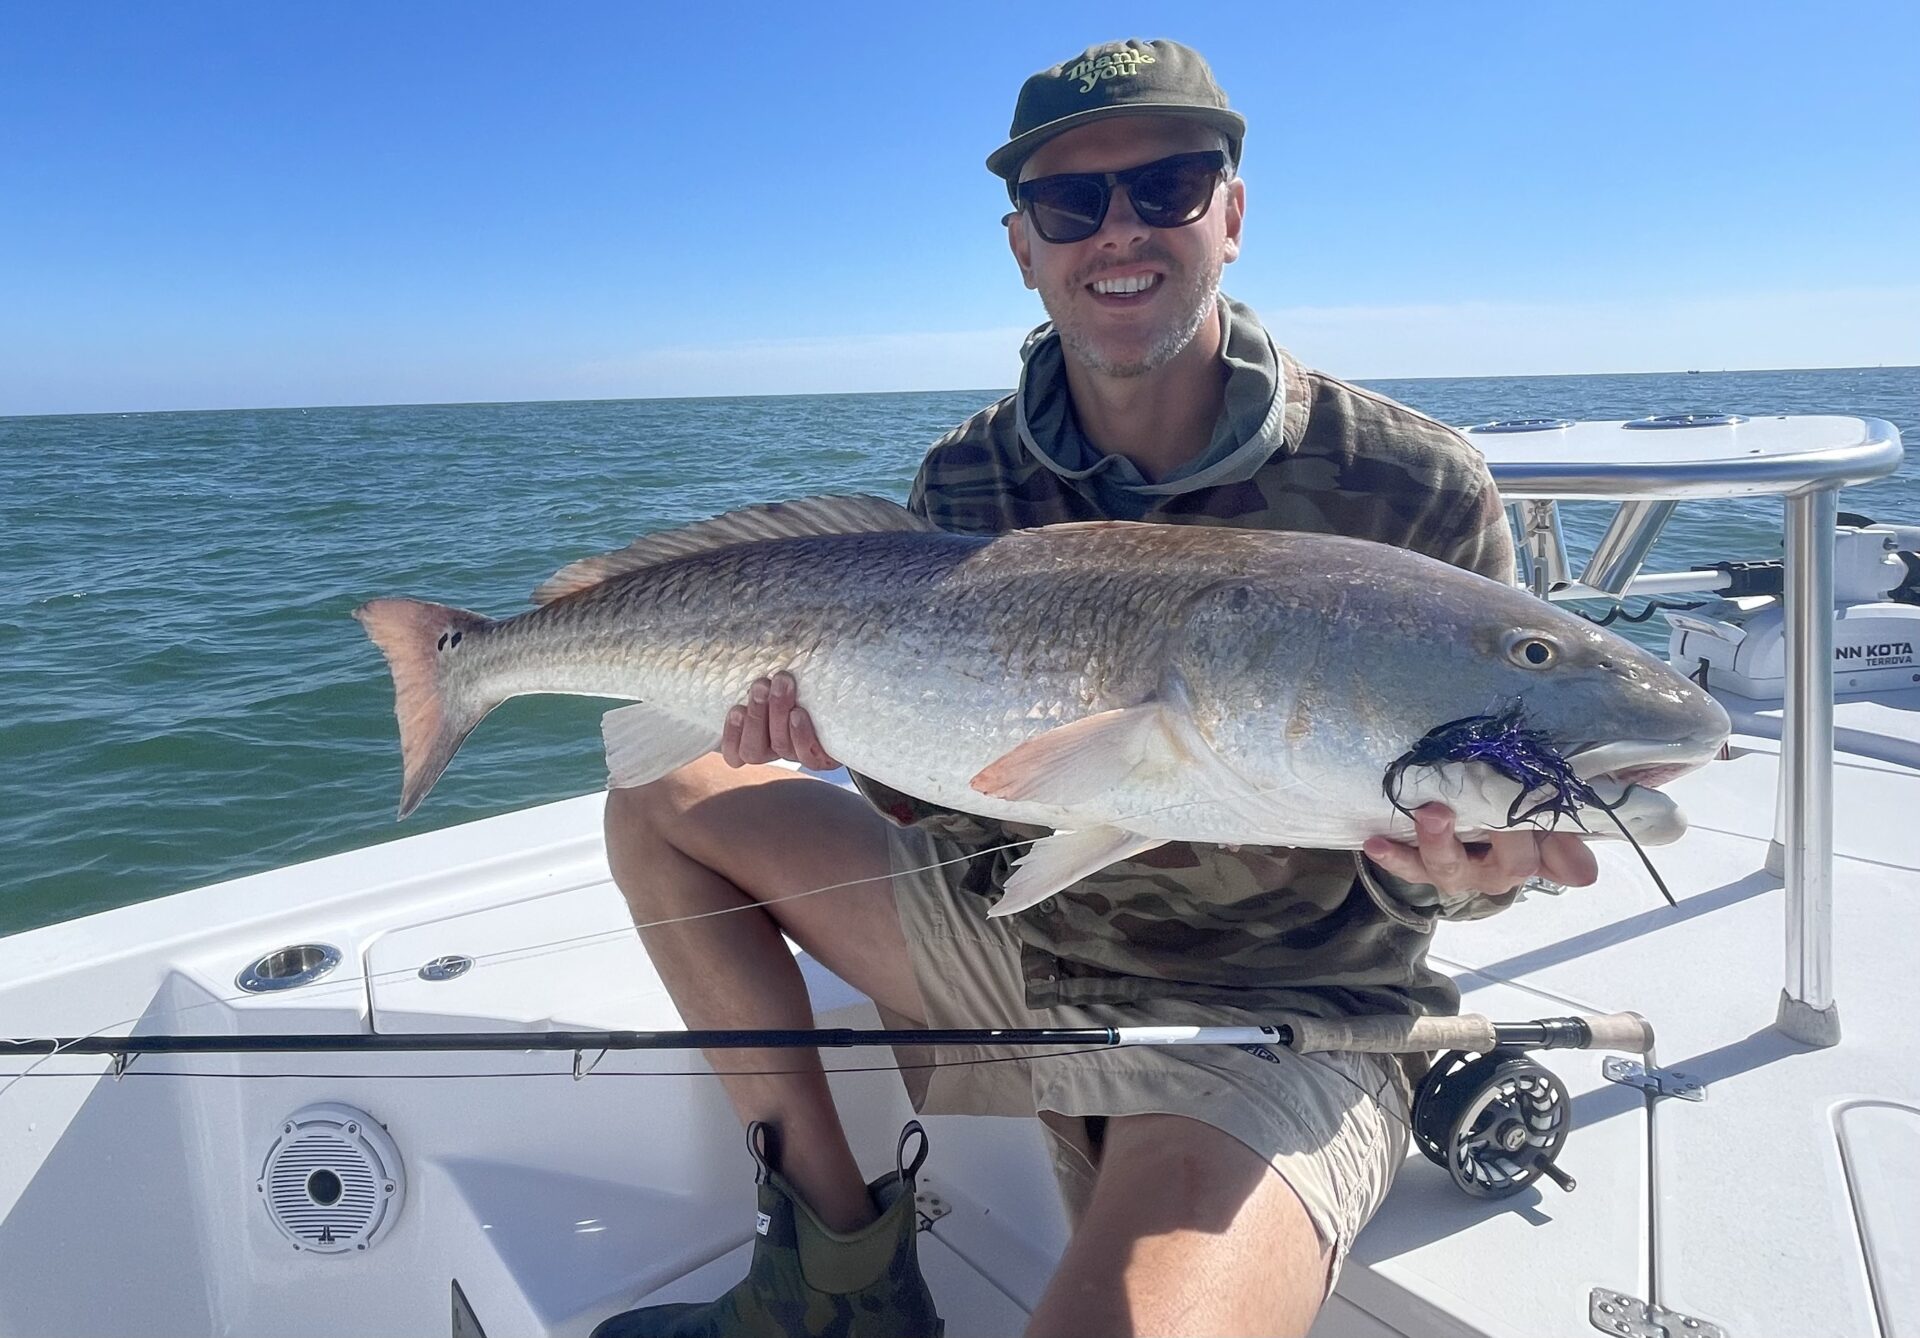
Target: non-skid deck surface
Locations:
point(1783, 1202)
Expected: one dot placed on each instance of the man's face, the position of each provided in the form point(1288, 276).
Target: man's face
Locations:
point(1128, 333)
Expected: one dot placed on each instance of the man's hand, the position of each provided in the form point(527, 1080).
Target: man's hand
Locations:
point(769, 726)
point(1509, 859)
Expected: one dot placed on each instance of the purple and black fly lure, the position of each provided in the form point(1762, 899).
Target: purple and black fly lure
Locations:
point(1504, 742)
point(1524, 756)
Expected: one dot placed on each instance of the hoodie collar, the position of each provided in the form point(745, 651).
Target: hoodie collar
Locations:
point(1263, 410)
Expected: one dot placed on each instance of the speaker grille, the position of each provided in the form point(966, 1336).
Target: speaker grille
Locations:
point(332, 1181)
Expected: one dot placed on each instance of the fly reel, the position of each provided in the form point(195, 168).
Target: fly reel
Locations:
point(1496, 1121)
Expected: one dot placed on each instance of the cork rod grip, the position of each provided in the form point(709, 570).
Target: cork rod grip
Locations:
point(1620, 1031)
point(1469, 1031)
point(1394, 1035)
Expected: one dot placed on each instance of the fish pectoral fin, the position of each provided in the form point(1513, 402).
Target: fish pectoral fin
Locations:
point(644, 743)
point(1084, 760)
point(1063, 859)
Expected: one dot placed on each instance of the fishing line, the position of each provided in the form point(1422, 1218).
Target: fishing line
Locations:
point(1373, 1095)
point(360, 984)
point(709, 1072)
point(1652, 872)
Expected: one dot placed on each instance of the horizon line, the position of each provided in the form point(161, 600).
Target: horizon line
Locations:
point(854, 394)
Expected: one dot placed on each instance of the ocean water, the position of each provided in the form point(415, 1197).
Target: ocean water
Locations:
point(184, 698)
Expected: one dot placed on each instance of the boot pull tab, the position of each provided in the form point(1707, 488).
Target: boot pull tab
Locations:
point(763, 1141)
point(906, 1170)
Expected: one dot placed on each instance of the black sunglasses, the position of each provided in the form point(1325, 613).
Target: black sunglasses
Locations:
point(1166, 193)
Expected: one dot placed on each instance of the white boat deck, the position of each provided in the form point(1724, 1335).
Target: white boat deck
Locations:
point(1781, 1204)
point(1755, 1210)
point(534, 1199)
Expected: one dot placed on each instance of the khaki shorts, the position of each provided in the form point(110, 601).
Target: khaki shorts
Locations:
point(1310, 1117)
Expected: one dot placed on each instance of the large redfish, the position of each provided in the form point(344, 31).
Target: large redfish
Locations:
point(1123, 684)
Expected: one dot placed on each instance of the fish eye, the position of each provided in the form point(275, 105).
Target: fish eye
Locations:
point(1532, 652)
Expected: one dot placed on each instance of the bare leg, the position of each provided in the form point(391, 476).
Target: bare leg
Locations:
point(1188, 1232)
point(711, 837)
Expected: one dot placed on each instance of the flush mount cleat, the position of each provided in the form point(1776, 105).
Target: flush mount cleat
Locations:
point(1630, 1317)
point(1661, 1082)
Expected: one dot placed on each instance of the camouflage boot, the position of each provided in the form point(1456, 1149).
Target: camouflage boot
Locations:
point(807, 1279)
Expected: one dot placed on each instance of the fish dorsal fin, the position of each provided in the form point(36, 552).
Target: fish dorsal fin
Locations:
point(773, 520)
point(1089, 526)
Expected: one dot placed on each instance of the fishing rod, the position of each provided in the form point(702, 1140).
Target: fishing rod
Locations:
point(1514, 751)
point(1372, 1035)
point(1495, 1119)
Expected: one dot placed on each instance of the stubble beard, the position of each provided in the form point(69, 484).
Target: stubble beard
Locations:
point(1173, 341)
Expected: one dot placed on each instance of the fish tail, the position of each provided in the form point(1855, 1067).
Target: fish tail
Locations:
point(422, 643)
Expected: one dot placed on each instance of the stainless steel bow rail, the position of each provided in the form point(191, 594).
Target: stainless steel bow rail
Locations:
point(1647, 466)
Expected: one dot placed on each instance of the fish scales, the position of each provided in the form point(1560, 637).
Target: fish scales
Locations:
point(1142, 683)
point(882, 624)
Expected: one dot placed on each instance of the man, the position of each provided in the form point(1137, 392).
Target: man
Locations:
point(1212, 1191)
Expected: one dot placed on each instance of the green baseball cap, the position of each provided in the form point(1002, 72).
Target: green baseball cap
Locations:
point(1130, 78)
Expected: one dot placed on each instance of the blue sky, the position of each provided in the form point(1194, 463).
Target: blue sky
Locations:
point(227, 204)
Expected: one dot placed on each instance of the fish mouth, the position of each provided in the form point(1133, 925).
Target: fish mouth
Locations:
point(1636, 762)
point(1627, 775)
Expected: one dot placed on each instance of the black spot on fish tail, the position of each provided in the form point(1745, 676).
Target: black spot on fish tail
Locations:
point(432, 726)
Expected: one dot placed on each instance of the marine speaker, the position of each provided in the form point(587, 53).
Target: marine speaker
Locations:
point(332, 1182)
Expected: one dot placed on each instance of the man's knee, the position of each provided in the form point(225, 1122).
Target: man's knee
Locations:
point(642, 807)
point(742, 823)
point(642, 819)
point(1178, 1206)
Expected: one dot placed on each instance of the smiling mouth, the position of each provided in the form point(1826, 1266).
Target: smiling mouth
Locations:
point(1128, 285)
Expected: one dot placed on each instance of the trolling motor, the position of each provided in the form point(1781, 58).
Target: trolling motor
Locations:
point(1738, 642)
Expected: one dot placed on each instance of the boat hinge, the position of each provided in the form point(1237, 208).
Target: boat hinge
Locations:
point(929, 1208)
point(1611, 1312)
point(122, 1061)
point(1661, 1082)
point(581, 1067)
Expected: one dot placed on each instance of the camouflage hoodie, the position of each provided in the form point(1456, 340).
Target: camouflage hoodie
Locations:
point(1257, 927)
